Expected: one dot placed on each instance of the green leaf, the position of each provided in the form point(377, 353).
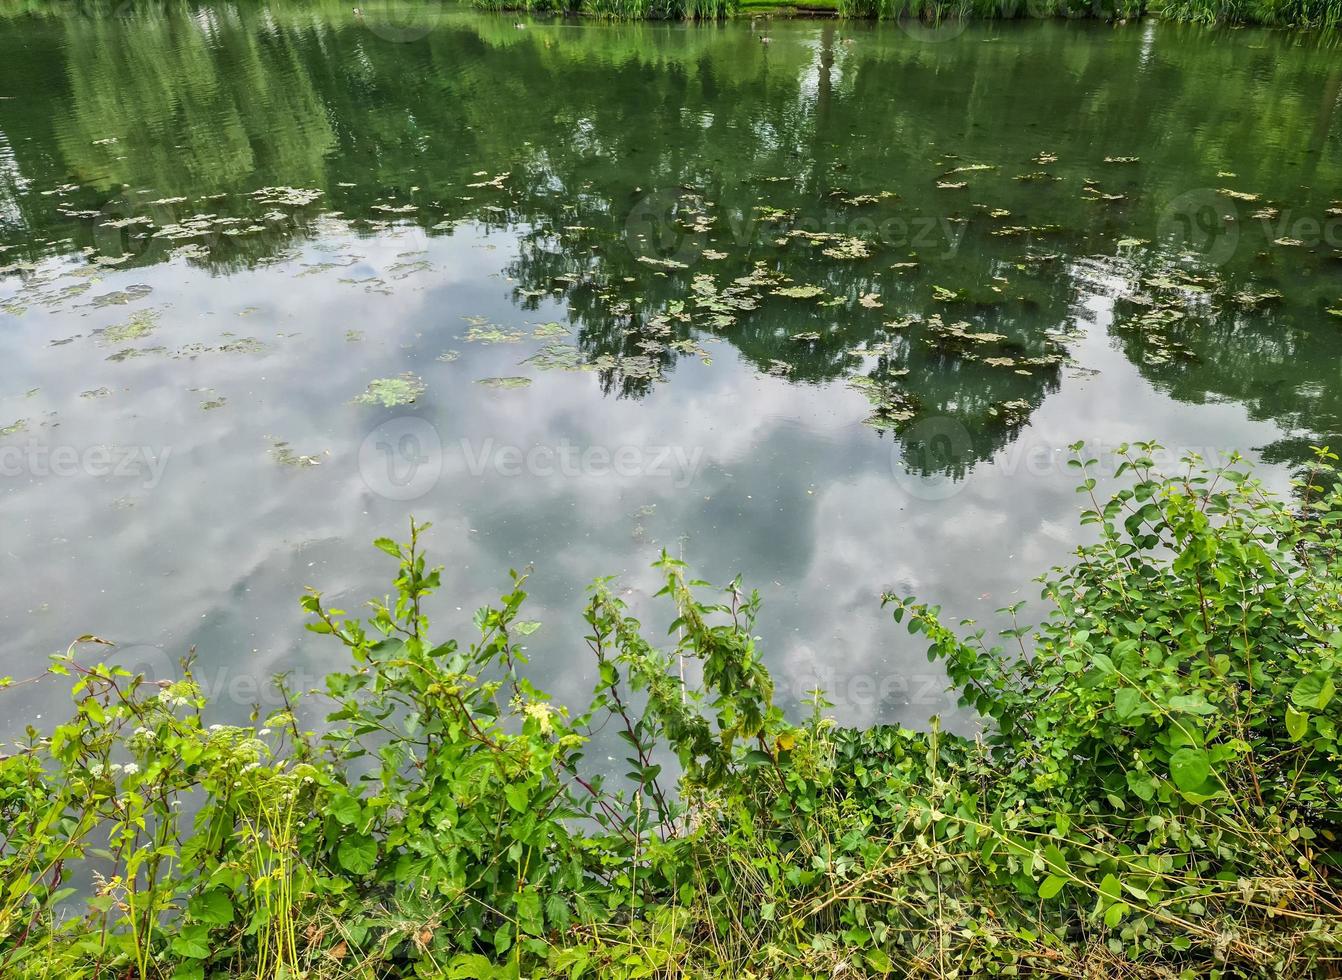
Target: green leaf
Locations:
point(357, 854)
point(1114, 914)
point(1110, 889)
point(212, 907)
point(878, 960)
point(1314, 691)
point(1051, 886)
point(1056, 861)
point(529, 913)
point(519, 797)
point(345, 809)
point(470, 966)
point(1141, 785)
point(1297, 723)
point(1189, 768)
point(1128, 703)
point(1193, 703)
point(193, 942)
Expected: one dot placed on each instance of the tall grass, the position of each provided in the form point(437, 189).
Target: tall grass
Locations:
point(1326, 14)
point(1323, 14)
point(935, 11)
point(622, 9)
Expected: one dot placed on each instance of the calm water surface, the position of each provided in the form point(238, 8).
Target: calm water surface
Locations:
point(825, 312)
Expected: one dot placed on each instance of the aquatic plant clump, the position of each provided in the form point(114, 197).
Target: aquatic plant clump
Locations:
point(391, 392)
point(1158, 794)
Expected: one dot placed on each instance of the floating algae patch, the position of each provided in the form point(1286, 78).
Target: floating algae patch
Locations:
point(505, 383)
point(401, 270)
point(121, 297)
point(891, 405)
point(721, 306)
point(484, 332)
point(239, 345)
point(139, 326)
point(970, 168)
point(798, 292)
point(635, 368)
point(130, 353)
point(14, 428)
point(283, 453)
point(1013, 412)
point(545, 331)
point(662, 263)
point(558, 357)
point(290, 196)
point(391, 392)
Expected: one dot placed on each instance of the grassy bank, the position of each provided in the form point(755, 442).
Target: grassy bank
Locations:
point(1323, 14)
point(1159, 796)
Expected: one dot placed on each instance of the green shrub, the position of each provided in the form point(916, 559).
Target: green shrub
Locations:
point(1158, 794)
point(622, 9)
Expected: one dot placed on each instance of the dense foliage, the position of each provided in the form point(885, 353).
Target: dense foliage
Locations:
point(1273, 13)
point(623, 9)
point(1159, 794)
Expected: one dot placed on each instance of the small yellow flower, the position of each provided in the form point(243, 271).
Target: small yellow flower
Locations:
point(541, 712)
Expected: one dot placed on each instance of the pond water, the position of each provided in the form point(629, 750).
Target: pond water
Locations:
point(824, 310)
